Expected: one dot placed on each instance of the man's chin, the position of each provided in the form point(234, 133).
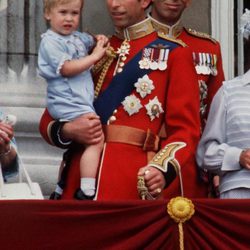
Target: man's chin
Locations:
point(121, 25)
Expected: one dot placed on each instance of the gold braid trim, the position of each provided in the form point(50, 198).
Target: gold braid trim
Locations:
point(199, 34)
point(103, 65)
point(180, 210)
point(166, 155)
point(172, 39)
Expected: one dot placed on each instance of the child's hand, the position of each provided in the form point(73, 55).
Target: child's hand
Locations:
point(100, 48)
point(100, 37)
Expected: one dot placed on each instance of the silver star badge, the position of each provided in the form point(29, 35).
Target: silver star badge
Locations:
point(154, 108)
point(144, 86)
point(132, 104)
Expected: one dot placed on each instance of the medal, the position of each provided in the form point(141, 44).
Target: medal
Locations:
point(196, 63)
point(144, 86)
point(162, 64)
point(153, 65)
point(206, 64)
point(154, 58)
point(214, 68)
point(132, 104)
point(202, 64)
point(144, 63)
point(154, 108)
point(209, 63)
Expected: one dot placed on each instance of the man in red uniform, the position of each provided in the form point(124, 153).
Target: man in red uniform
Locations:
point(166, 18)
point(146, 80)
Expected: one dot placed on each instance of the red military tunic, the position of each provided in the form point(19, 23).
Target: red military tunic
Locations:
point(172, 99)
point(206, 53)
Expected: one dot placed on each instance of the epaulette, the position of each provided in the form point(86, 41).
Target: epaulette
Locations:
point(200, 34)
point(172, 39)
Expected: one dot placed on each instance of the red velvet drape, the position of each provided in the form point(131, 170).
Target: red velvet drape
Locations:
point(216, 224)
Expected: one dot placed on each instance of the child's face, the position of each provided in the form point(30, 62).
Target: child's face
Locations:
point(64, 18)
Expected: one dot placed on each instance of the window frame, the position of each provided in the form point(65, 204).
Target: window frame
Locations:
point(222, 22)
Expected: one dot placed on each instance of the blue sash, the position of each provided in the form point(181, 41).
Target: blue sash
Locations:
point(122, 83)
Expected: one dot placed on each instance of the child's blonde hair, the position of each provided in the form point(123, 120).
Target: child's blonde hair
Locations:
point(49, 4)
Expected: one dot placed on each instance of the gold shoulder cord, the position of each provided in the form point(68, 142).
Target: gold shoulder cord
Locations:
point(103, 65)
point(200, 35)
point(172, 39)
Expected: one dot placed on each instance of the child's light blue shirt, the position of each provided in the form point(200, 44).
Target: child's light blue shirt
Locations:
point(67, 97)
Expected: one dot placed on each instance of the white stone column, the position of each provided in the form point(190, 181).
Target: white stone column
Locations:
point(22, 92)
point(222, 17)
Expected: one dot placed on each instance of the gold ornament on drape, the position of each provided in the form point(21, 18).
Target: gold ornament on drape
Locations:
point(180, 210)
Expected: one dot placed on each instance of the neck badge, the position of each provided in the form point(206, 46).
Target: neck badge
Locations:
point(122, 52)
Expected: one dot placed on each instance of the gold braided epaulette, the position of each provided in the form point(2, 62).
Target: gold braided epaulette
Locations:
point(200, 34)
point(172, 39)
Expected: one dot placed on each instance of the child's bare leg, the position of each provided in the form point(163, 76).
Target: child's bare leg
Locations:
point(88, 167)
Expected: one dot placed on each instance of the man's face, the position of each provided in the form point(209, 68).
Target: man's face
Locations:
point(125, 13)
point(168, 11)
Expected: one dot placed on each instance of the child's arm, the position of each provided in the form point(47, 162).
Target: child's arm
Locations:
point(74, 67)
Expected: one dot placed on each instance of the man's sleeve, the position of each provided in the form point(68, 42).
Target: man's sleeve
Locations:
point(51, 131)
point(182, 118)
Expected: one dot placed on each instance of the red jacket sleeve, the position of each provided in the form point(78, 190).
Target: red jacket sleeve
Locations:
point(182, 114)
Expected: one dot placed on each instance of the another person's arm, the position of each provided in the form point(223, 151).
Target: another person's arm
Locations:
point(8, 154)
point(182, 122)
point(83, 130)
point(76, 66)
point(213, 153)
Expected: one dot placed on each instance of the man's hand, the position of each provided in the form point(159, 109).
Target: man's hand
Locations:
point(154, 180)
point(245, 159)
point(86, 129)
